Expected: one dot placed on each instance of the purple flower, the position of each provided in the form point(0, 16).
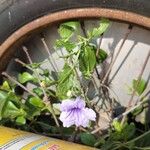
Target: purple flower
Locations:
point(74, 112)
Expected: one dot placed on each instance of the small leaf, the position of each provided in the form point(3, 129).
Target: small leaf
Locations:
point(71, 24)
point(87, 60)
point(25, 77)
point(14, 98)
point(5, 86)
point(139, 86)
point(117, 126)
point(104, 24)
point(38, 91)
point(66, 29)
point(137, 110)
point(66, 82)
point(88, 139)
point(47, 82)
point(46, 72)
point(128, 131)
point(3, 101)
point(37, 102)
point(32, 112)
point(69, 46)
point(11, 111)
point(35, 65)
point(102, 55)
point(21, 120)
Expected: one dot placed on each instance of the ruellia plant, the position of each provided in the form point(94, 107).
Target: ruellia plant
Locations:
point(68, 102)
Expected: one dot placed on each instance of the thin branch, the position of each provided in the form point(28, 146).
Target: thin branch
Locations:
point(45, 99)
point(105, 86)
point(34, 70)
point(146, 93)
point(23, 64)
point(19, 84)
point(97, 53)
point(139, 78)
point(138, 81)
point(83, 28)
point(50, 56)
point(95, 84)
point(81, 86)
point(99, 45)
point(97, 130)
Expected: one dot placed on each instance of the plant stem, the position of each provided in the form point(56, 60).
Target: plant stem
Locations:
point(23, 64)
point(51, 110)
point(81, 86)
point(97, 130)
point(137, 138)
point(146, 93)
point(98, 48)
point(45, 99)
point(97, 53)
point(50, 56)
point(19, 84)
point(34, 70)
point(139, 78)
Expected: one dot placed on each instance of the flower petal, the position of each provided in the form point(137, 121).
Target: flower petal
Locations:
point(79, 103)
point(66, 105)
point(90, 114)
point(71, 104)
point(81, 119)
point(67, 118)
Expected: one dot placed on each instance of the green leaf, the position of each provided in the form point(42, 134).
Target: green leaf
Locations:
point(72, 24)
point(109, 145)
point(102, 55)
point(142, 141)
point(5, 86)
point(129, 131)
point(35, 65)
point(11, 111)
point(3, 102)
point(139, 86)
point(117, 126)
point(38, 91)
point(137, 111)
point(104, 24)
point(48, 82)
point(32, 112)
point(66, 29)
point(14, 98)
point(46, 72)
point(88, 139)
point(87, 60)
point(122, 132)
point(69, 46)
point(37, 102)
point(25, 77)
point(21, 120)
point(66, 82)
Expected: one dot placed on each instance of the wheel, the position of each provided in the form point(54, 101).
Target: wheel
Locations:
point(15, 16)
point(22, 20)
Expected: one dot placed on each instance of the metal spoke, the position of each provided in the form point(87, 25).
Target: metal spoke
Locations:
point(116, 56)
